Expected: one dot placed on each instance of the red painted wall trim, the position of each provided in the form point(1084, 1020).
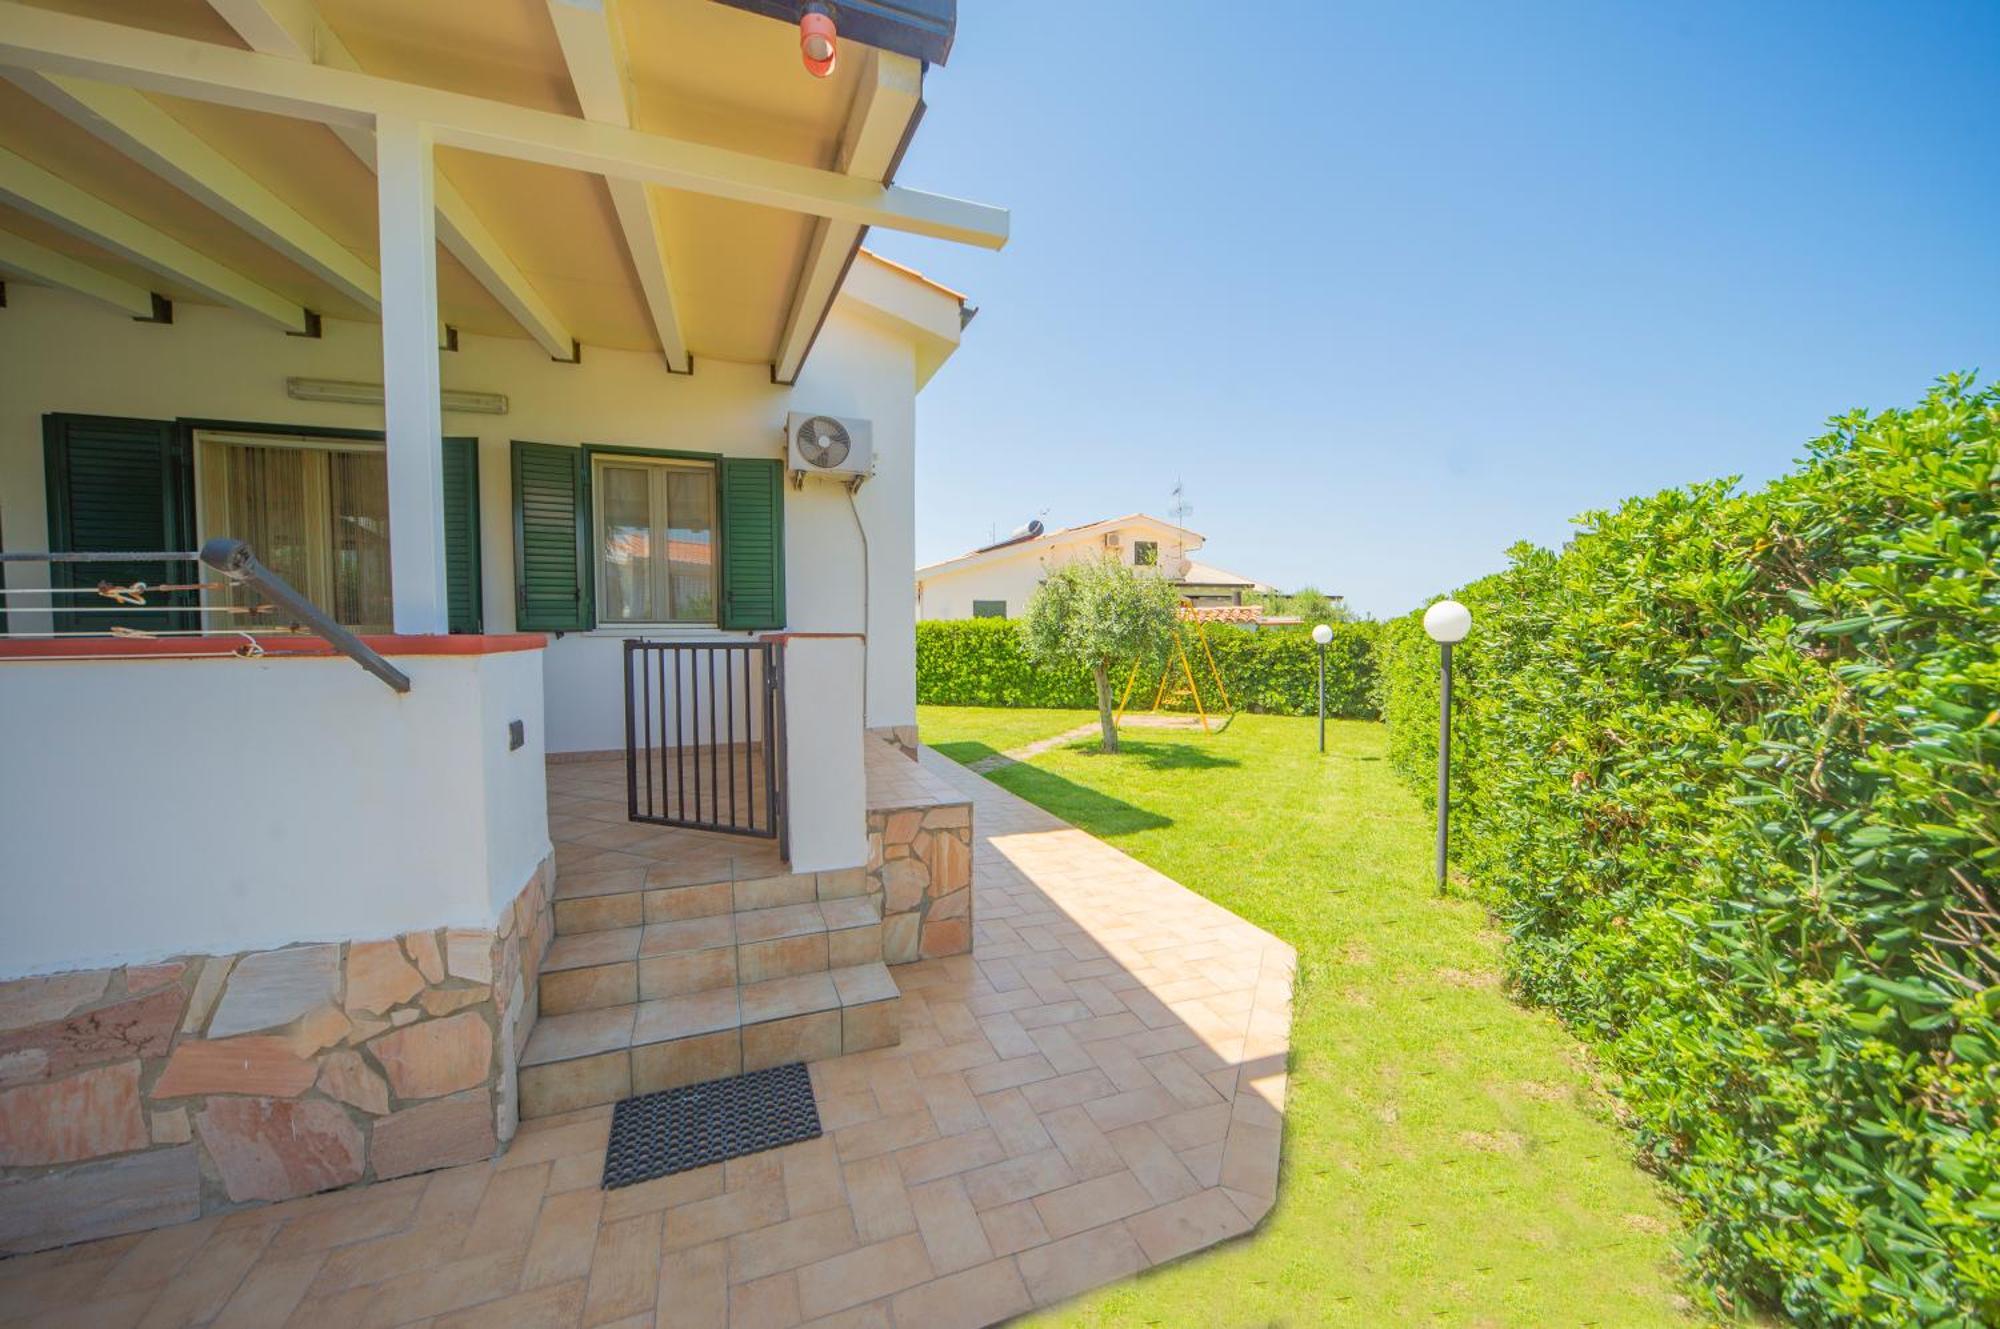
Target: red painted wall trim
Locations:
point(139, 648)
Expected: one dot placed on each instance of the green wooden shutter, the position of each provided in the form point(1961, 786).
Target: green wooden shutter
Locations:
point(753, 543)
point(118, 484)
point(461, 534)
point(552, 564)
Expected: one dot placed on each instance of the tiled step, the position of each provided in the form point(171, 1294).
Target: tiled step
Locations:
point(608, 1053)
point(600, 901)
point(616, 966)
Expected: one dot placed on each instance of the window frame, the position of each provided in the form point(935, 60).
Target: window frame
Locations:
point(1153, 545)
point(595, 458)
point(201, 435)
point(982, 609)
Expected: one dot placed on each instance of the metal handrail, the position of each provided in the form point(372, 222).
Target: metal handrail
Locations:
point(233, 559)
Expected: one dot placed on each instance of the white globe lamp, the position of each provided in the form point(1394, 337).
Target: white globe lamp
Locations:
point(1447, 622)
point(1322, 634)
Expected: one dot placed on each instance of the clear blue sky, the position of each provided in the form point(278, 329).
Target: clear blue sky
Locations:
point(1391, 286)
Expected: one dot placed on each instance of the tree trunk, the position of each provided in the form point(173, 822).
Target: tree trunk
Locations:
point(1103, 675)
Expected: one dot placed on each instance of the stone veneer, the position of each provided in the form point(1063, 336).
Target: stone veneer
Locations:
point(153, 1093)
point(920, 859)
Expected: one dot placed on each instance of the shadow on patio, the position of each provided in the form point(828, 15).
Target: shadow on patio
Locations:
point(1097, 1089)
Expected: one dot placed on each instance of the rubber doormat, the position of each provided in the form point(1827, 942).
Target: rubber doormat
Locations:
point(677, 1130)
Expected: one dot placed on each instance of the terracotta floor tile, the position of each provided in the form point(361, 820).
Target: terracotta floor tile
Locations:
point(624, 1270)
point(785, 1246)
point(885, 1134)
point(505, 1218)
point(209, 1278)
point(694, 1287)
point(449, 1287)
point(724, 1215)
point(1013, 1227)
point(564, 1238)
point(1172, 1230)
point(771, 1302)
point(386, 1257)
point(1089, 1259)
point(1018, 1179)
point(971, 1299)
point(1092, 1203)
point(862, 1275)
point(877, 1198)
point(949, 1226)
point(154, 1259)
point(1017, 1126)
point(451, 1196)
point(270, 1292)
point(1154, 1162)
point(951, 1154)
point(812, 1177)
point(554, 1307)
point(583, 949)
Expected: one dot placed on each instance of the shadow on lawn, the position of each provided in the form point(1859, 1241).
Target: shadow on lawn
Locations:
point(1087, 809)
point(1160, 756)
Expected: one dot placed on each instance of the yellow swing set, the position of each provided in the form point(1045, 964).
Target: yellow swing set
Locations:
point(1178, 683)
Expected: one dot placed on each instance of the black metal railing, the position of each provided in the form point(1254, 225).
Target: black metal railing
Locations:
point(137, 596)
point(703, 740)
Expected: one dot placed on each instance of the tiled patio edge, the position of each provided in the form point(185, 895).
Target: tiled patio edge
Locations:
point(1097, 1089)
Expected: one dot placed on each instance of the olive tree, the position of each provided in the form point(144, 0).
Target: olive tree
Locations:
point(1100, 614)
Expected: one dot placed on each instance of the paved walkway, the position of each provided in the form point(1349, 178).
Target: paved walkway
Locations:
point(1015, 756)
point(1097, 1089)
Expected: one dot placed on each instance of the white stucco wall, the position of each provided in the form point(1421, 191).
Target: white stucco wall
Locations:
point(61, 353)
point(825, 772)
point(150, 808)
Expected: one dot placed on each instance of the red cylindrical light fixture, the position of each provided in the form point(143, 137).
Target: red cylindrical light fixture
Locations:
point(819, 43)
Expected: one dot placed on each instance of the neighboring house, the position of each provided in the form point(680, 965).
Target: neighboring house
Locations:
point(996, 580)
point(1204, 585)
point(542, 418)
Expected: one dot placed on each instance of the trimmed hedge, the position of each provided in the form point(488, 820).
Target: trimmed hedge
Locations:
point(982, 662)
point(1728, 766)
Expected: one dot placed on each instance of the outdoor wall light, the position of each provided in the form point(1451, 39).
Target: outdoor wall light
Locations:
point(348, 393)
point(1447, 622)
point(818, 41)
point(1321, 636)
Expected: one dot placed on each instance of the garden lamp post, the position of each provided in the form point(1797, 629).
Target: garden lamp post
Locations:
point(1447, 622)
point(1321, 636)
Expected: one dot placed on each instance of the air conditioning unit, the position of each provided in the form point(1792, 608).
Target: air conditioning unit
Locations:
point(829, 445)
point(1111, 539)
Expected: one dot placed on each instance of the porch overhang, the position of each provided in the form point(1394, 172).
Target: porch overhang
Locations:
point(651, 174)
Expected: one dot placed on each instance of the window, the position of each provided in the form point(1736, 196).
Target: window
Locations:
point(315, 511)
point(655, 540)
point(1145, 553)
point(989, 609)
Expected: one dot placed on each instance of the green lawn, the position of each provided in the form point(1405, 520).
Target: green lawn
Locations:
point(1447, 1158)
point(967, 733)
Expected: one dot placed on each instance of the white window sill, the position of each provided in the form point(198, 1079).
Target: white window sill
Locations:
point(667, 632)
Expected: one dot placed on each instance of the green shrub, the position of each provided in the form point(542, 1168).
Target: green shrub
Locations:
point(982, 662)
point(1728, 766)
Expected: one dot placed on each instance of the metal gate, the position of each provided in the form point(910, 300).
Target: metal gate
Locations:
point(702, 741)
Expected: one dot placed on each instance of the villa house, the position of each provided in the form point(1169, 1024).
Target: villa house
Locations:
point(483, 325)
point(995, 580)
